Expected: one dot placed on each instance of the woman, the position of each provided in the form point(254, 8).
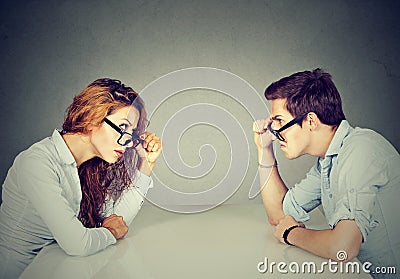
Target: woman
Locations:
point(82, 186)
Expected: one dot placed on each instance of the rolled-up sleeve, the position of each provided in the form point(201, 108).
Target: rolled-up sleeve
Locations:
point(304, 196)
point(361, 174)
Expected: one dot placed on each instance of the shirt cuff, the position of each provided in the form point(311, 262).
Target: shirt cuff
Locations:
point(109, 236)
point(143, 183)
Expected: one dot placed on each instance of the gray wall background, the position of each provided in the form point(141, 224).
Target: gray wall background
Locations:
point(50, 50)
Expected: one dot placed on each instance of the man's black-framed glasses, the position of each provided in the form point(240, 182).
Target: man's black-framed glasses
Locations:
point(125, 138)
point(277, 133)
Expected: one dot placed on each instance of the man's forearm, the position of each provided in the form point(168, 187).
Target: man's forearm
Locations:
point(327, 243)
point(273, 189)
point(316, 242)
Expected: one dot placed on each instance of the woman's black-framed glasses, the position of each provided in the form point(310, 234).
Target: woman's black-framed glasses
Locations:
point(277, 133)
point(125, 138)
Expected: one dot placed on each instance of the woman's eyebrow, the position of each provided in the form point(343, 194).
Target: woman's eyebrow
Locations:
point(127, 120)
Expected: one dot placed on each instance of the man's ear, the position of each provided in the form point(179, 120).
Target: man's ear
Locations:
point(313, 121)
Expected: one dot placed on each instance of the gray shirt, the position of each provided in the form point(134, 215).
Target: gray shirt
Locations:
point(359, 179)
point(41, 201)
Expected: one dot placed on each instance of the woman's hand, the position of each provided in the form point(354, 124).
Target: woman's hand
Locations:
point(149, 151)
point(116, 225)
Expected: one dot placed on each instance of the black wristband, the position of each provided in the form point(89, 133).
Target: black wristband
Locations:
point(286, 233)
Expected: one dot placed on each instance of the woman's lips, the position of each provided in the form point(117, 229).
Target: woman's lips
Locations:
point(119, 153)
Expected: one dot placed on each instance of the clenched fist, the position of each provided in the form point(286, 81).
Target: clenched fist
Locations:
point(116, 225)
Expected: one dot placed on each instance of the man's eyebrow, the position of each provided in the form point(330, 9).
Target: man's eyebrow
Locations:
point(276, 117)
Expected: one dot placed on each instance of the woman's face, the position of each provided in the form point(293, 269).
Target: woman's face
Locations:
point(104, 138)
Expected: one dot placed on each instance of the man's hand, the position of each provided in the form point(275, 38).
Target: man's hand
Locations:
point(262, 137)
point(284, 224)
point(116, 225)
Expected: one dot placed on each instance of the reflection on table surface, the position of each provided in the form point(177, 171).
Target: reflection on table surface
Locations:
point(226, 242)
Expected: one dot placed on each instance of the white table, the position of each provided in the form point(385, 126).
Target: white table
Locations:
point(226, 242)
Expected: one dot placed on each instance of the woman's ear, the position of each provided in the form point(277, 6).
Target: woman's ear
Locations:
point(91, 127)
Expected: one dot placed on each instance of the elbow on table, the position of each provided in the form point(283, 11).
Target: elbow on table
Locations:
point(346, 241)
point(344, 253)
point(275, 217)
point(274, 213)
point(76, 250)
point(273, 220)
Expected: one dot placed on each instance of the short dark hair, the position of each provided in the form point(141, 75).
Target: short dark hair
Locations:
point(309, 92)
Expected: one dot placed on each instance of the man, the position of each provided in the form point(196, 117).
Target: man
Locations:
point(356, 178)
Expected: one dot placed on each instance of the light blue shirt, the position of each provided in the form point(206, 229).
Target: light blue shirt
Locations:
point(359, 179)
point(41, 201)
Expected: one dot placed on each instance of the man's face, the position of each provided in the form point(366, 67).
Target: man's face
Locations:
point(296, 139)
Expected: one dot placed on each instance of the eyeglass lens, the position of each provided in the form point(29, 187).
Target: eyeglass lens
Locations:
point(127, 139)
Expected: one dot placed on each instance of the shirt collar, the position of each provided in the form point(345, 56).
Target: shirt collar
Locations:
point(62, 148)
point(341, 133)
